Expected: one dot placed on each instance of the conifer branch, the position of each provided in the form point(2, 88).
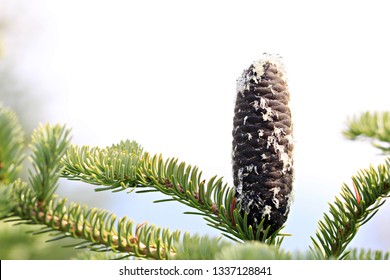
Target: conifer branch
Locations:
point(199, 247)
point(253, 250)
point(374, 126)
point(364, 254)
point(348, 213)
point(114, 167)
point(12, 146)
point(126, 166)
point(206, 248)
point(97, 229)
point(48, 146)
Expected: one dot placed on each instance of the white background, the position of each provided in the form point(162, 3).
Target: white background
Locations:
point(163, 73)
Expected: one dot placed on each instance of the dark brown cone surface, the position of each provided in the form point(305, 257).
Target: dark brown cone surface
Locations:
point(263, 144)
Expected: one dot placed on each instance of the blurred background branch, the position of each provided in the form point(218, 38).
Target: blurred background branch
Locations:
point(17, 31)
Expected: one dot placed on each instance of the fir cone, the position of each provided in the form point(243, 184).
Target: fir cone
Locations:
point(263, 144)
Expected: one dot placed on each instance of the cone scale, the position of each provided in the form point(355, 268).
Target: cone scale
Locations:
point(263, 144)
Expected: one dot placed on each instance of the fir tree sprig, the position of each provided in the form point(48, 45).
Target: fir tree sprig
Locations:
point(114, 167)
point(364, 254)
point(48, 146)
point(34, 203)
point(97, 229)
point(117, 168)
point(12, 146)
point(374, 126)
point(355, 208)
point(254, 250)
point(206, 248)
point(183, 183)
point(199, 247)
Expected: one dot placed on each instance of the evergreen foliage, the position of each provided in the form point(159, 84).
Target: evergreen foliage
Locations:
point(371, 125)
point(127, 167)
point(12, 146)
point(351, 210)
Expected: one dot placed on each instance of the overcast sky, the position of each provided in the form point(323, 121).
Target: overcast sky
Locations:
point(163, 73)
